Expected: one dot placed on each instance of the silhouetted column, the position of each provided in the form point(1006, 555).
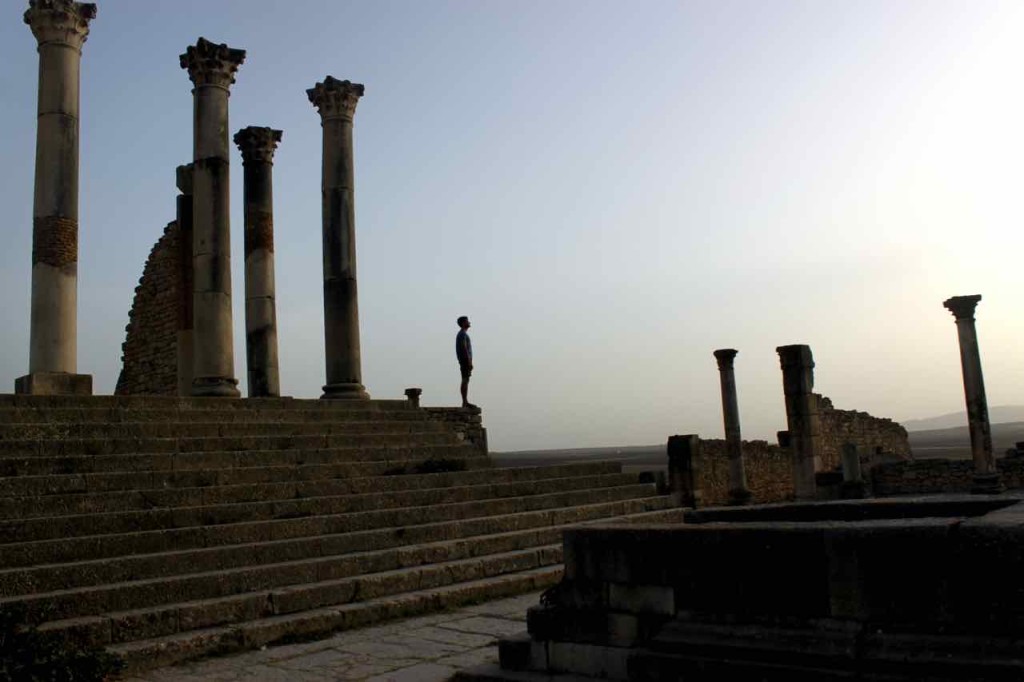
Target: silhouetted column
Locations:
point(986, 476)
point(212, 70)
point(61, 28)
point(738, 491)
point(185, 235)
point(802, 417)
point(257, 146)
point(853, 480)
point(336, 102)
point(684, 469)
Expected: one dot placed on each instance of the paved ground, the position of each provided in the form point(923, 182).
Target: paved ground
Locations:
point(425, 649)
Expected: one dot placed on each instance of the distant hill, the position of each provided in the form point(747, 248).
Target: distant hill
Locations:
point(955, 443)
point(996, 415)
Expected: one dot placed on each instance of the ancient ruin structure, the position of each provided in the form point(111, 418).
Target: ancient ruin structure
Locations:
point(802, 415)
point(257, 146)
point(738, 491)
point(212, 68)
point(986, 478)
point(336, 102)
point(61, 28)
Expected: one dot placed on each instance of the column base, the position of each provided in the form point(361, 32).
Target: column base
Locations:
point(345, 391)
point(215, 387)
point(986, 484)
point(739, 496)
point(53, 383)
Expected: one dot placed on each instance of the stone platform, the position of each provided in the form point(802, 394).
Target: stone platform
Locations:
point(895, 589)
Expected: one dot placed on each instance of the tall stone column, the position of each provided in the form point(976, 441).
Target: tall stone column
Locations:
point(802, 416)
point(336, 102)
point(738, 491)
point(61, 28)
point(212, 68)
point(257, 146)
point(986, 476)
point(185, 234)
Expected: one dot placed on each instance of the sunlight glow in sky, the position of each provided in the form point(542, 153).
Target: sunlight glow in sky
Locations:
point(609, 190)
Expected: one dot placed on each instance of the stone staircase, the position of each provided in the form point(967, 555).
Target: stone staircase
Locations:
point(165, 529)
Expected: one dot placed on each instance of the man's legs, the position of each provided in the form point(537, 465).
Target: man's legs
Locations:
point(464, 390)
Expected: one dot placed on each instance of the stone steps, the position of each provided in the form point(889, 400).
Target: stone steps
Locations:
point(81, 464)
point(168, 528)
point(266, 616)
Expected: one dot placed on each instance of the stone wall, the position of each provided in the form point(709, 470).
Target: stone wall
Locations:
point(938, 476)
point(769, 467)
point(149, 354)
point(468, 423)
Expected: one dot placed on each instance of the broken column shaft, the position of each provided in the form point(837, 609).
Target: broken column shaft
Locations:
point(257, 146)
point(212, 70)
point(802, 416)
point(336, 102)
point(986, 476)
point(61, 28)
point(738, 491)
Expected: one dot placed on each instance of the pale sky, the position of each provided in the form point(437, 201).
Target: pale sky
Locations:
point(609, 190)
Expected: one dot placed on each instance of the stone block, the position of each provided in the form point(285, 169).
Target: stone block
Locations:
point(589, 660)
point(54, 383)
point(514, 652)
point(642, 599)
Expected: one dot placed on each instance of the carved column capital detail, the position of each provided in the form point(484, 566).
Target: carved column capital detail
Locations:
point(183, 178)
point(336, 99)
point(725, 357)
point(257, 144)
point(60, 21)
point(211, 64)
point(962, 307)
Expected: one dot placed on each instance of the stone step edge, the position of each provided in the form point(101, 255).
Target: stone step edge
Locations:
point(163, 651)
point(540, 512)
point(605, 482)
point(528, 474)
point(541, 522)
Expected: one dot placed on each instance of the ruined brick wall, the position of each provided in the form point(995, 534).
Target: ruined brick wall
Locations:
point(938, 476)
point(875, 435)
point(769, 467)
point(149, 354)
point(467, 423)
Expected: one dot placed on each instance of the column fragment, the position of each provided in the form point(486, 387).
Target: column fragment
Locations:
point(61, 28)
point(336, 102)
point(184, 219)
point(986, 476)
point(257, 146)
point(738, 491)
point(212, 69)
point(802, 417)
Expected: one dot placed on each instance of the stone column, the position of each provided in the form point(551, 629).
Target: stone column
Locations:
point(61, 28)
point(738, 491)
point(336, 102)
point(257, 146)
point(212, 70)
point(802, 417)
point(986, 476)
point(184, 219)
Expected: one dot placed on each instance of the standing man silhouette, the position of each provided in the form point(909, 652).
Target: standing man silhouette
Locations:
point(464, 353)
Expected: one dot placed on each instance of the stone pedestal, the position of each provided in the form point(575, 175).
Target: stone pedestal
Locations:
point(986, 476)
point(336, 102)
point(802, 417)
point(61, 28)
point(684, 470)
point(212, 68)
point(257, 146)
point(738, 491)
point(185, 236)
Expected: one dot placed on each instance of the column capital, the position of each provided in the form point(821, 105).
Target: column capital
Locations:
point(60, 21)
point(336, 99)
point(211, 64)
point(725, 357)
point(962, 307)
point(797, 355)
point(257, 144)
point(183, 178)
